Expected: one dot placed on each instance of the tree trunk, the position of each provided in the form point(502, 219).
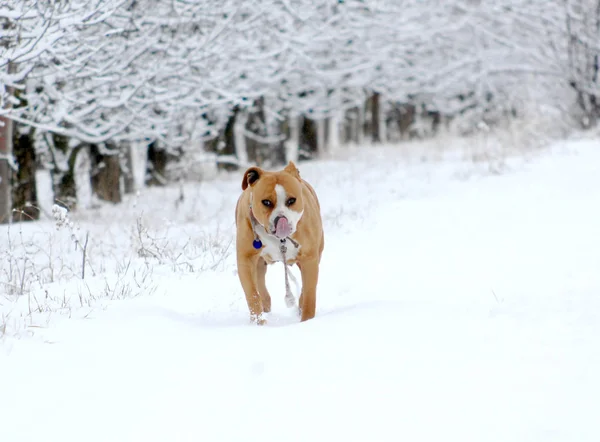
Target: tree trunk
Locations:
point(241, 149)
point(308, 139)
point(293, 142)
point(406, 117)
point(230, 139)
point(382, 120)
point(81, 170)
point(139, 164)
point(351, 126)
point(333, 132)
point(360, 123)
point(24, 185)
point(6, 139)
point(375, 118)
point(127, 168)
point(320, 136)
point(63, 178)
point(157, 165)
point(106, 176)
point(6, 144)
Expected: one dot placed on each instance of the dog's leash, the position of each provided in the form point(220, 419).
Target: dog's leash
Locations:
point(289, 297)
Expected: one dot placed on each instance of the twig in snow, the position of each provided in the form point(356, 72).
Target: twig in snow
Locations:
point(87, 237)
point(494, 293)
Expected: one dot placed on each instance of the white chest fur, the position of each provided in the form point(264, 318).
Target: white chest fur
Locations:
point(272, 248)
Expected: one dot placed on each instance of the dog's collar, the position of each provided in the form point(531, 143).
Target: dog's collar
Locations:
point(257, 243)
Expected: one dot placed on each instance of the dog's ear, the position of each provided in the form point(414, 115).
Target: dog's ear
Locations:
point(292, 170)
point(250, 177)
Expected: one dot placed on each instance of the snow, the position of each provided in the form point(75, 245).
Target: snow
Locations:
point(455, 303)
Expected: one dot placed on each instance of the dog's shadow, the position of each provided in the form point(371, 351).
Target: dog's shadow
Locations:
point(229, 319)
point(232, 311)
point(280, 317)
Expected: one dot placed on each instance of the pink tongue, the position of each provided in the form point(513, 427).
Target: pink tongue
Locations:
point(282, 229)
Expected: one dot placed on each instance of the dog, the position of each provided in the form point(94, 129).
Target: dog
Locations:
point(275, 209)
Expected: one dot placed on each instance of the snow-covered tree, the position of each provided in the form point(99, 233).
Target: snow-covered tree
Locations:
point(582, 23)
point(36, 34)
point(261, 80)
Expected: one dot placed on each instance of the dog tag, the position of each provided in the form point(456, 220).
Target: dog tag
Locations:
point(257, 244)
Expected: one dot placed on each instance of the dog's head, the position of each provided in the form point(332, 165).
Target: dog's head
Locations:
point(276, 198)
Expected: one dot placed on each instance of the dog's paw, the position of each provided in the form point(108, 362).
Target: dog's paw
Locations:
point(259, 319)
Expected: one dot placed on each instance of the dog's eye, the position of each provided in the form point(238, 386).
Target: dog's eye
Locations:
point(267, 203)
point(290, 201)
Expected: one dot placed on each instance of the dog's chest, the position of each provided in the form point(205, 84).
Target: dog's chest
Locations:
point(271, 250)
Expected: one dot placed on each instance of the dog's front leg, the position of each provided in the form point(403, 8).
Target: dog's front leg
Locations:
point(310, 275)
point(247, 273)
point(261, 273)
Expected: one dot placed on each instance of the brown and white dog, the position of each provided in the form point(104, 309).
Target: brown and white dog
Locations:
point(277, 207)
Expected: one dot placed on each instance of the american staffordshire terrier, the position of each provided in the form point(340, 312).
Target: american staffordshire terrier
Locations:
point(278, 209)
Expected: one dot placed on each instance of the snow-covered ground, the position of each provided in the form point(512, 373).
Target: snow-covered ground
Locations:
point(454, 304)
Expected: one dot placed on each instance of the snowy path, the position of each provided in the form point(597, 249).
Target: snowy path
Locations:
point(447, 311)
